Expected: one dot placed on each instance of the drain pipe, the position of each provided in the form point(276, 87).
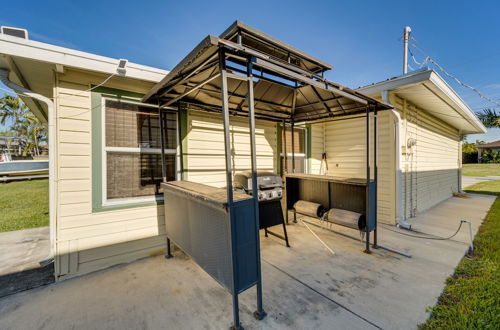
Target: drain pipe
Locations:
point(4, 78)
point(400, 216)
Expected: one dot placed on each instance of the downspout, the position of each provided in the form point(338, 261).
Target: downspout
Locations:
point(460, 164)
point(400, 216)
point(4, 78)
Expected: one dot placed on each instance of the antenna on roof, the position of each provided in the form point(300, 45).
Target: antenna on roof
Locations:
point(406, 37)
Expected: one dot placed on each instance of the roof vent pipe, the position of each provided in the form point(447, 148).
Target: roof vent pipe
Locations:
point(4, 78)
point(406, 37)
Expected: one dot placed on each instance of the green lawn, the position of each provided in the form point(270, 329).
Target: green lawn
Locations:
point(471, 298)
point(24, 204)
point(481, 169)
point(485, 187)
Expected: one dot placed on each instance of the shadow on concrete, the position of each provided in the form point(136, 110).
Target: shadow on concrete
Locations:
point(26, 279)
point(20, 267)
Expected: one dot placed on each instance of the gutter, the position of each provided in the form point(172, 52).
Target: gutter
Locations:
point(43, 52)
point(400, 216)
point(4, 78)
point(440, 89)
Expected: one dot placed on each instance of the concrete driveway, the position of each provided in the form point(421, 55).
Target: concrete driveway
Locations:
point(470, 180)
point(305, 287)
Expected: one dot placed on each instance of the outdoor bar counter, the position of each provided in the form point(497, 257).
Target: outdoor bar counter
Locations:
point(219, 237)
point(352, 194)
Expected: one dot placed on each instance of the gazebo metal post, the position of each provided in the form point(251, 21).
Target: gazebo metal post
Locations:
point(179, 144)
point(375, 172)
point(293, 147)
point(367, 206)
point(294, 103)
point(163, 165)
point(284, 148)
point(259, 313)
point(285, 165)
point(162, 144)
point(229, 180)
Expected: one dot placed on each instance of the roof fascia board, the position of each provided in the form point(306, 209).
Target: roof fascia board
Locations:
point(457, 104)
point(43, 52)
point(396, 83)
point(460, 106)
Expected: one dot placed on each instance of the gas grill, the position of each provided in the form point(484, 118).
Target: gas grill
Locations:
point(270, 184)
point(270, 192)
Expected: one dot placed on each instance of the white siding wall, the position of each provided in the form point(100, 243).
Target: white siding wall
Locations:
point(345, 144)
point(431, 167)
point(317, 148)
point(88, 241)
point(205, 147)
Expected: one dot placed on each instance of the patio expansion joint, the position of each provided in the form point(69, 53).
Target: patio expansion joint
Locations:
point(322, 294)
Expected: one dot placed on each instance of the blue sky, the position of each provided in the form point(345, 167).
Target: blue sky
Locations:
point(360, 39)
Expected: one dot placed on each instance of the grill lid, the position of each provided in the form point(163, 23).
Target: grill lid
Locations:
point(265, 180)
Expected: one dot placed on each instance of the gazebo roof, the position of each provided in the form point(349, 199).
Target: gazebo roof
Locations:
point(288, 84)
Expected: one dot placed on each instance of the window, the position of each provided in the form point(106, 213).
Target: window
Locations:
point(132, 168)
point(299, 135)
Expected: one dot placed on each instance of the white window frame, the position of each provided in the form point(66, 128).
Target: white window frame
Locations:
point(106, 150)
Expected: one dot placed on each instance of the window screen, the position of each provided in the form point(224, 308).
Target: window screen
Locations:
point(133, 149)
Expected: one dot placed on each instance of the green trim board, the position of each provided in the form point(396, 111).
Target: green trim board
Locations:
point(183, 133)
point(97, 146)
point(278, 148)
point(308, 147)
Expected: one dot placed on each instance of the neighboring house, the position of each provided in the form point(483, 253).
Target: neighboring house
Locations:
point(10, 144)
point(106, 206)
point(492, 146)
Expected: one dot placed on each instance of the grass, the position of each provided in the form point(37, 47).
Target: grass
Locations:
point(471, 298)
point(485, 187)
point(481, 169)
point(24, 204)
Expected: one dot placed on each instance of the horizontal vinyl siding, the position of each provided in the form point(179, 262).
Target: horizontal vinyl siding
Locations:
point(317, 148)
point(205, 148)
point(431, 167)
point(89, 241)
point(345, 143)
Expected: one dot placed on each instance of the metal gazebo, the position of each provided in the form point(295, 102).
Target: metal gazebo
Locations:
point(247, 73)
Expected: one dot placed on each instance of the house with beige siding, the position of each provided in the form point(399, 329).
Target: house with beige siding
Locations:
point(106, 206)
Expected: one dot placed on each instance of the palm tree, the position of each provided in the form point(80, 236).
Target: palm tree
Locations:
point(490, 118)
point(12, 108)
point(24, 124)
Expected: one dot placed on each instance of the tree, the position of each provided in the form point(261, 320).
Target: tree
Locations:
point(23, 124)
point(490, 118)
point(490, 157)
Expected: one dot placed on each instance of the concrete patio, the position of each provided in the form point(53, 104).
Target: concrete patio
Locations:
point(22, 250)
point(305, 287)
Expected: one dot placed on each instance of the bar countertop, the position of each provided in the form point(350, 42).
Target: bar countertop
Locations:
point(204, 192)
point(329, 178)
